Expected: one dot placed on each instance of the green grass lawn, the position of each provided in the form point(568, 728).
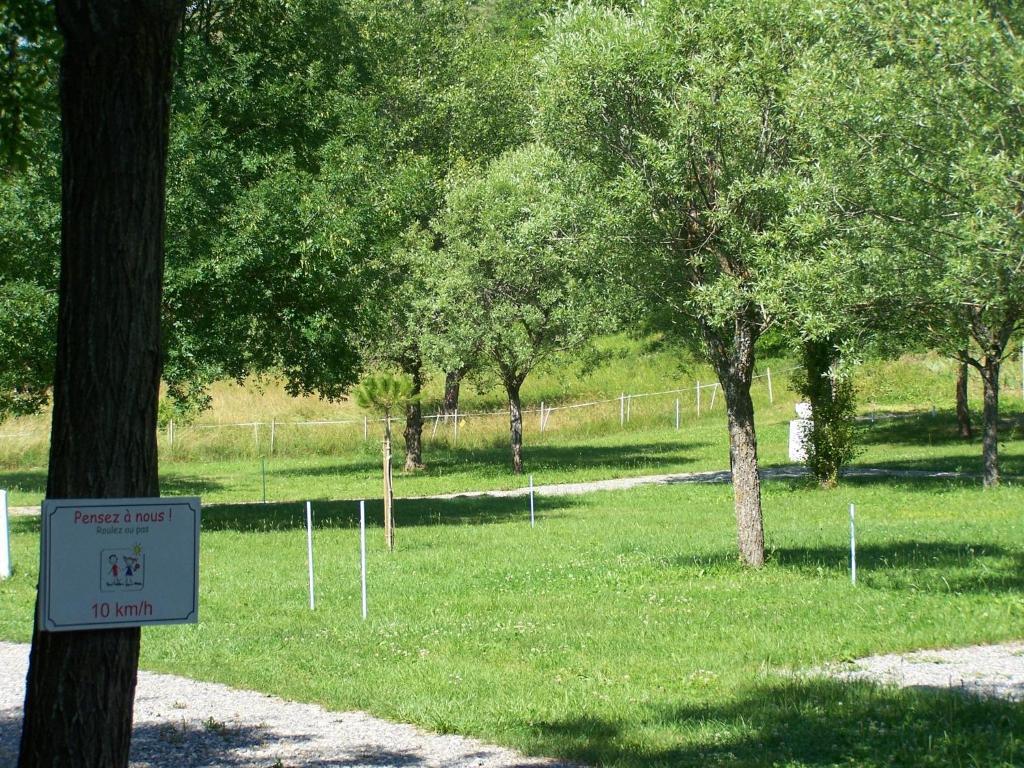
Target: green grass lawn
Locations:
point(621, 630)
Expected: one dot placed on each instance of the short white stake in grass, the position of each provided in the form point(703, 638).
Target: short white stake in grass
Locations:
point(531, 502)
point(771, 395)
point(541, 425)
point(455, 440)
point(677, 414)
point(853, 549)
point(309, 551)
point(5, 539)
point(366, 429)
point(698, 398)
point(362, 551)
point(622, 409)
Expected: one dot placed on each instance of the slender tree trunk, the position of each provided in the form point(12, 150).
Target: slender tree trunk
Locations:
point(515, 420)
point(733, 360)
point(452, 384)
point(389, 495)
point(114, 93)
point(414, 420)
point(746, 482)
point(990, 366)
point(963, 413)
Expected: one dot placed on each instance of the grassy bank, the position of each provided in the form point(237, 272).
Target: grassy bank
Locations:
point(620, 631)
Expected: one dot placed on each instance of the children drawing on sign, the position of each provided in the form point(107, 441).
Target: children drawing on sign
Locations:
point(122, 569)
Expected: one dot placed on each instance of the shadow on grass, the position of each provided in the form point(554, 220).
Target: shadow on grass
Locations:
point(804, 723)
point(31, 482)
point(184, 744)
point(943, 567)
point(496, 461)
point(481, 510)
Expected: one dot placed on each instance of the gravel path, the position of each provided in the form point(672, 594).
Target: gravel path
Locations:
point(673, 478)
point(188, 724)
point(995, 671)
point(181, 723)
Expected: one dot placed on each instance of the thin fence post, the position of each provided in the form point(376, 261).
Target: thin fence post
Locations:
point(362, 551)
point(629, 406)
point(366, 429)
point(263, 473)
point(622, 409)
point(256, 436)
point(853, 550)
point(771, 395)
point(531, 502)
point(437, 419)
point(170, 435)
point(677, 414)
point(309, 551)
point(5, 539)
point(698, 398)
point(456, 440)
point(714, 394)
point(273, 435)
point(541, 422)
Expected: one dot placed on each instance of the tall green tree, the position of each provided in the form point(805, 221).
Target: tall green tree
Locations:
point(115, 109)
point(685, 108)
point(519, 279)
point(940, 150)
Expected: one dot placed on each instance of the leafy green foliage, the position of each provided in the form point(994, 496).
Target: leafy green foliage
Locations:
point(520, 279)
point(384, 393)
point(29, 52)
point(827, 384)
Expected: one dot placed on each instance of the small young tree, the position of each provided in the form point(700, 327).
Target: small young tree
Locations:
point(826, 381)
point(385, 394)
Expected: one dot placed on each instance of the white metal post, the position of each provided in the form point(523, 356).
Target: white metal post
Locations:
point(366, 429)
point(541, 425)
point(771, 395)
point(853, 549)
point(273, 435)
point(622, 409)
point(309, 551)
point(362, 551)
point(714, 394)
point(531, 502)
point(677, 414)
point(698, 398)
point(5, 539)
point(456, 440)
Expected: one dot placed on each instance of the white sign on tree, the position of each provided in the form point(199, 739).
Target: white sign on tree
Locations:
point(119, 563)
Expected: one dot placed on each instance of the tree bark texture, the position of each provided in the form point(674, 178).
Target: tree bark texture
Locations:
point(963, 413)
point(515, 420)
point(733, 361)
point(115, 105)
point(414, 420)
point(990, 416)
point(452, 384)
point(389, 494)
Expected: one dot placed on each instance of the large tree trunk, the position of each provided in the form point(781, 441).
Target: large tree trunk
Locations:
point(990, 366)
point(452, 384)
point(414, 420)
point(515, 420)
point(963, 413)
point(114, 93)
point(733, 360)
